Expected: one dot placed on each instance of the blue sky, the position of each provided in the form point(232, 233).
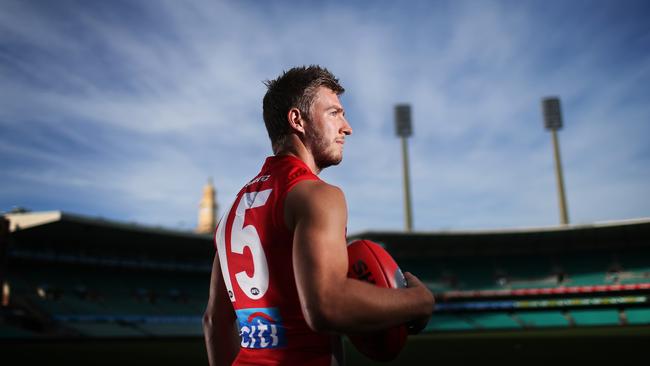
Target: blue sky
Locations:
point(123, 109)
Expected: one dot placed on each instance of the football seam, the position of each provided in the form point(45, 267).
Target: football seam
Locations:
point(383, 272)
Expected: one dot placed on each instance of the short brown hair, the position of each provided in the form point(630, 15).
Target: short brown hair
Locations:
point(295, 88)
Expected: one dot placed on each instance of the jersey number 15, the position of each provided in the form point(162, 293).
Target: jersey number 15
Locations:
point(241, 237)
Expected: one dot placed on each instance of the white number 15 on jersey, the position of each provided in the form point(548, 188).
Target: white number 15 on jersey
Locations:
point(241, 237)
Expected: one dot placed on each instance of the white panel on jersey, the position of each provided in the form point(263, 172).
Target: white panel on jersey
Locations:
point(246, 236)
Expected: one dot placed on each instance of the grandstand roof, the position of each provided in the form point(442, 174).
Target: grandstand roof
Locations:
point(57, 231)
point(26, 220)
point(568, 238)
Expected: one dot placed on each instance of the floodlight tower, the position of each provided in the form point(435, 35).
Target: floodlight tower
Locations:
point(404, 130)
point(553, 122)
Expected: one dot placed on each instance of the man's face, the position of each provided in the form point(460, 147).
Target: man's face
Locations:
point(326, 129)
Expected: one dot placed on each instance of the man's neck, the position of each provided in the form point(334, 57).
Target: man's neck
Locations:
point(294, 147)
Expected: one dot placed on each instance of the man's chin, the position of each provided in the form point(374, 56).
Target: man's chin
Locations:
point(325, 163)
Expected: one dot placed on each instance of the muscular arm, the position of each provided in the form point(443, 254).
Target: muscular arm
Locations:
point(330, 300)
point(219, 329)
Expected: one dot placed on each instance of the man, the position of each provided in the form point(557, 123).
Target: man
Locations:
point(281, 264)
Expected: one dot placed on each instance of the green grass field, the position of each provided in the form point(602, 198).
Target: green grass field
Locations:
point(581, 346)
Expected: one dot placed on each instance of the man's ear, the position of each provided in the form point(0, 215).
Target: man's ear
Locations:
point(296, 122)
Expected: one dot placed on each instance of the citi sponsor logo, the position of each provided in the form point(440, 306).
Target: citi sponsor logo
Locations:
point(261, 328)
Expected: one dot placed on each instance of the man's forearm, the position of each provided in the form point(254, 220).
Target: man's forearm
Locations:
point(221, 341)
point(358, 306)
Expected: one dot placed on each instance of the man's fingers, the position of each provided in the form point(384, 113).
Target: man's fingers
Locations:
point(411, 280)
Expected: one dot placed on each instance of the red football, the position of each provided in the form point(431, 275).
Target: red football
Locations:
point(368, 261)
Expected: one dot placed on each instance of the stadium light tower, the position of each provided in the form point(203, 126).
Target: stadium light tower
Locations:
point(404, 130)
point(553, 122)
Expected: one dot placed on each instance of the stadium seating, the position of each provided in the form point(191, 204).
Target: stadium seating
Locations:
point(638, 316)
point(514, 272)
point(635, 267)
point(635, 260)
point(526, 272)
point(117, 302)
point(454, 273)
point(543, 319)
point(581, 272)
point(494, 321)
point(473, 273)
point(444, 322)
point(532, 272)
point(595, 317)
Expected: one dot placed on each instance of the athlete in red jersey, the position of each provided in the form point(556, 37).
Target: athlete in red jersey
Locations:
point(279, 291)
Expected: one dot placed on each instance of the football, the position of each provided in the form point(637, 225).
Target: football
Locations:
point(368, 261)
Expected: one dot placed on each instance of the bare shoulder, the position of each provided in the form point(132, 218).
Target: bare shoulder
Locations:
point(316, 190)
point(312, 198)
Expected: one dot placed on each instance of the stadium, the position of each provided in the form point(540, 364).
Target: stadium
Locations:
point(85, 290)
point(112, 113)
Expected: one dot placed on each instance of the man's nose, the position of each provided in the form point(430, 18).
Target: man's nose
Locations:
point(347, 129)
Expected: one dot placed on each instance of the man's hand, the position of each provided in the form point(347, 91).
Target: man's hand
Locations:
point(417, 325)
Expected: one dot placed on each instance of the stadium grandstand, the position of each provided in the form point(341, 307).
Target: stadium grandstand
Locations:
point(107, 289)
point(559, 277)
point(73, 276)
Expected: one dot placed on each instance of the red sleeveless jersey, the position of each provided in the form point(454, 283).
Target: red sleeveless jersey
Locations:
point(255, 254)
